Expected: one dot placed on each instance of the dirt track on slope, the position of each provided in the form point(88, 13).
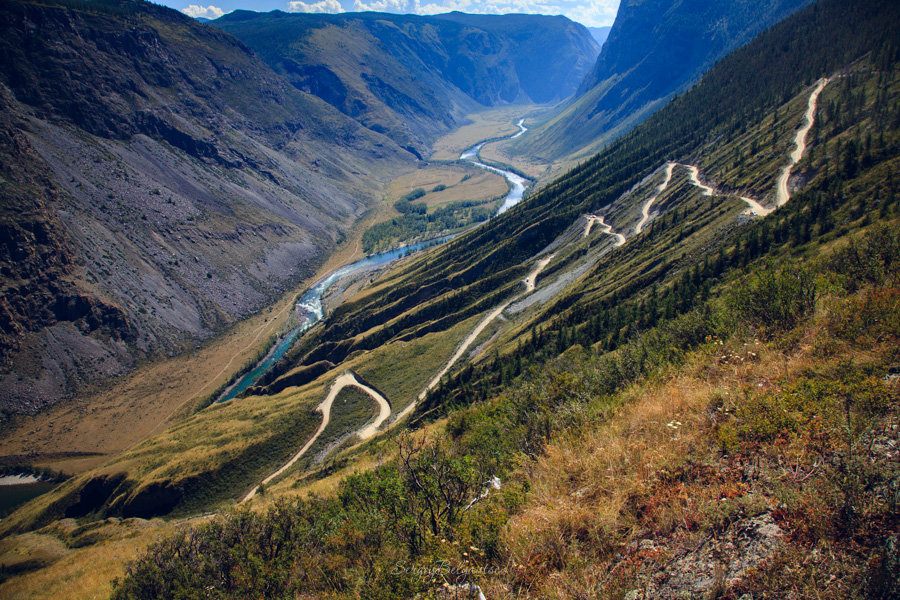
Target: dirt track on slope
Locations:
point(343, 380)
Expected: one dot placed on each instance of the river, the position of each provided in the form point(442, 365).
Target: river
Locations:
point(18, 489)
point(517, 183)
point(309, 307)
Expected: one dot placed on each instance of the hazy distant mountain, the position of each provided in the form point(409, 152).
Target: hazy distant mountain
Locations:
point(412, 77)
point(159, 182)
point(600, 34)
point(655, 49)
point(548, 52)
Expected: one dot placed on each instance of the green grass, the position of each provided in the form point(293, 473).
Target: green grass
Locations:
point(351, 410)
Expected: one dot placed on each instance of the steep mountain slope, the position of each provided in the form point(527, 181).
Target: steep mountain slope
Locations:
point(675, 408)
point(733, 132)
point(159, 182)
point(411, 77)
point(548, 53)
point(655, 49)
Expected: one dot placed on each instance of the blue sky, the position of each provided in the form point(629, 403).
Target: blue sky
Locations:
point(593, 13)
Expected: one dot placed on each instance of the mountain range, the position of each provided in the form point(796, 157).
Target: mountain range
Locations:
point(163, 182)
point(655, 49)
point(670, 372)
point(414, 78)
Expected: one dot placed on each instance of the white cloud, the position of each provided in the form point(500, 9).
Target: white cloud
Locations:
point(392, 6)
point(207, 12)
point(593, 13)
point(323, 6)
point(451, 5)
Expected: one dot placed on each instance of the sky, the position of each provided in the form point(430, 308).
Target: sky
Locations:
point(593, 13)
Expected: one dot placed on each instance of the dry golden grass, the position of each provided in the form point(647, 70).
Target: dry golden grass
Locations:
point(598, 488)
point(80, 573)
point(585, 478)
point(499, 153)
point(426, 178)
point(141, 403)
point(494, 122)
point(582, 485)
point(203, 442)
point(21, 551)
point(480, 186)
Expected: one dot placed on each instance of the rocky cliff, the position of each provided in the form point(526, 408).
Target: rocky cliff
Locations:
point(159, 182)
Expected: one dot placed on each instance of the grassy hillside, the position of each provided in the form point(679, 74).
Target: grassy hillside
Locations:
point(704, 406)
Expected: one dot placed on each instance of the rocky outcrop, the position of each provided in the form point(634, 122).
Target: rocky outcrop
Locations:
point(715, 565)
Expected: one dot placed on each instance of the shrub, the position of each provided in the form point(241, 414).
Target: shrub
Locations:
point(871, 317)
point(773, 300)
point(405, 206)
point(872, 260)
point(414, 195)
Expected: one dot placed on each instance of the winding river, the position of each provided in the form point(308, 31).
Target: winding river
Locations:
point(517, 183)
point(309, 307)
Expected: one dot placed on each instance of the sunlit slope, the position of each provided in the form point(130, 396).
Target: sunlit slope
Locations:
point(726, 139)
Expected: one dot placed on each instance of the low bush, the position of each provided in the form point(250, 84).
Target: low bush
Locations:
point(873, 259)
point(773, 299)
point(405, 206)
